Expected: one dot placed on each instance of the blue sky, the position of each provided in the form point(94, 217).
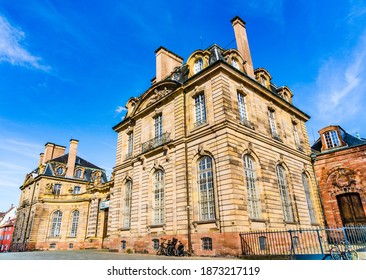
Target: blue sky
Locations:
point(67, 67)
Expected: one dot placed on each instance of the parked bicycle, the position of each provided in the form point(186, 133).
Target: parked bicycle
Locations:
point(168, 248)
point(343, 251)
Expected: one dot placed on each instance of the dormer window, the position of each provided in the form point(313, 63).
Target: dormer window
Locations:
point(198, 65)
point(60, 170)
point(331, 139)
point(234, 63)
point(78, 173)
point(263, 81)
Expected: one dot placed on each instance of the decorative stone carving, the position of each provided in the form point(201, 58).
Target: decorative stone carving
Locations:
point(343, 180)
point(158, 94)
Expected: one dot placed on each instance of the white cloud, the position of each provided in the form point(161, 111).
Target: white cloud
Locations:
point(11, 49)
point(20, 148)
point(120, 109)
point(340, 89)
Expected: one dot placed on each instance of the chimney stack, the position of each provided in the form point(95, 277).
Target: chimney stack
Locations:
point(71, 158)
point(242, 44)
point(41, 156)
point(48, 152)
point(166, 61)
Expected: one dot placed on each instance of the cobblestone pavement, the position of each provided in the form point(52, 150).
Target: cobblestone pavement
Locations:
point(92, 255)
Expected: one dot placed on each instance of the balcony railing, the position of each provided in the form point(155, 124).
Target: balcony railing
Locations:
point(156, 142)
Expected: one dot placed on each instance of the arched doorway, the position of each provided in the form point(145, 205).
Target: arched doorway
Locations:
point(351, 209)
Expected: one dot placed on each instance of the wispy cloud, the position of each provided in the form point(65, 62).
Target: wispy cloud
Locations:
point(357, 9)
point(12, 50)
point(20, 147)
point(120, 110)
point(340, 89)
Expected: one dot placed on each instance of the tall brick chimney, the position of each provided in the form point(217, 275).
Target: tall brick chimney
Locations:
point(51, 151)
point(48, 152)
point(71, 158)
point(166, 61)
point(41, 156)
point(58, 151)
point(242, 44)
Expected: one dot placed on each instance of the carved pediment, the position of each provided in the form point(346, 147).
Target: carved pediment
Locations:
point(155, 94)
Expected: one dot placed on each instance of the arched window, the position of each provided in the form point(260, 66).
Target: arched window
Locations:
point(252, 189)
point(234, 63)
point(158, 210)
point(285, 194)
point(127, 205)
point(56, 224)
point(206, 189)
point(74, 223)
point(78, 173)
point(305, 183)
point(198, 65)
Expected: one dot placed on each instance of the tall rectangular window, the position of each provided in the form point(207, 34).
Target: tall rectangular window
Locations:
point(57, 189)
point(159, 198)
point(305, 183)
point(242, 108)
point(252, 190)
point(56, 224)
point(285, 194)
point(130, 144)
point(74, 223)
point(200, 109)
point(127, 205)
point(272, 123)
point(76, 190)
point(158, 129)
point(206, 189)
point(296, 135)
point(331, 139)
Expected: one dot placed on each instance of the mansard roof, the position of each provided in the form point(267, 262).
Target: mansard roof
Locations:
point(78, 162)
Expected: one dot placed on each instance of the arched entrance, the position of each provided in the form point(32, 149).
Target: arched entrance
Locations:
point(351, 209)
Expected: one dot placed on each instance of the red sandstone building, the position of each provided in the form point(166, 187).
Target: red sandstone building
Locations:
point(340, 167)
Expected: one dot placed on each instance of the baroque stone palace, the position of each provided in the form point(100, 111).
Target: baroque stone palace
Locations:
point(61, 203)
point(211, 149)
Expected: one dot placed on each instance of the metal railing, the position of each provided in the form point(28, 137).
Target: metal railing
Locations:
point(155, 142)
point(301, 241)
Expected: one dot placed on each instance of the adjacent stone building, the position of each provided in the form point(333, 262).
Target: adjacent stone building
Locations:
point(63, 203)
point(340, 166)
point(211, 149)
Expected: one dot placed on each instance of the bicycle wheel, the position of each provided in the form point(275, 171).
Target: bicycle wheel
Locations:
point(351, 255)
point(335, 253)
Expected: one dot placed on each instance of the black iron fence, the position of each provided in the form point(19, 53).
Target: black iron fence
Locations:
point(301, 241)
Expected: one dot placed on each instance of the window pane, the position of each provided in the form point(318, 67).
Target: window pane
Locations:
point(252, 191)
point(285, 195)
point(159, 197)
point(242, 108)
point(305, 183)
point(205, 185)
point(75, 222)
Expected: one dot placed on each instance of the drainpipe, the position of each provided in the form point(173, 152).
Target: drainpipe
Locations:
point(187, 182)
